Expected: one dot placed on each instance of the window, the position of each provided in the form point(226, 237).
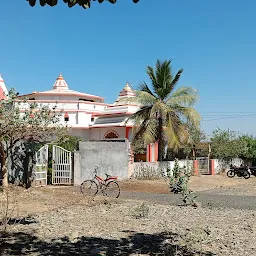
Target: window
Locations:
point(86, 100)
point(111, 135)
point(92, 119)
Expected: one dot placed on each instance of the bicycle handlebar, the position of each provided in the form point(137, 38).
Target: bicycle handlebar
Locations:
point(95, 169)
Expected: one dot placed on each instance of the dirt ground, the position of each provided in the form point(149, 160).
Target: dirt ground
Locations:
point(61, 221)
point(196, 183)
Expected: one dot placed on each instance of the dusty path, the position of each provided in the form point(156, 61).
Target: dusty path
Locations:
point(61, 221)
point(212, 191)
point(205, 198)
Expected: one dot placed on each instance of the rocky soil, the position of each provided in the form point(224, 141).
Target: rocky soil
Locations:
point(60, 221)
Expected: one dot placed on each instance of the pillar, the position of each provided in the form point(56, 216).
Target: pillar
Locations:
point(195, 165)
point(212, 167)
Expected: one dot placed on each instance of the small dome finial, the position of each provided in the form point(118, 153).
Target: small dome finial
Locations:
point(60, 83)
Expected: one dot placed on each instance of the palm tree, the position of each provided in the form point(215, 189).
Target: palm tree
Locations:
point(164, 111)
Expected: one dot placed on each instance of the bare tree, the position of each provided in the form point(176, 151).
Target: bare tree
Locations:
point(36, 123)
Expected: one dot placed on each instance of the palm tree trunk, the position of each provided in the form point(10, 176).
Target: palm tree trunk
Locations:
point(160, 140)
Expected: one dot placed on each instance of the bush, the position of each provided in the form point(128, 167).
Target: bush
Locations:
point(178, 182)
point(147, 173)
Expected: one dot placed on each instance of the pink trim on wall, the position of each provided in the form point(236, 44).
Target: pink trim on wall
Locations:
point(127, 130)
point(109, 127)
point(121, 105)
point(116, 114)
point(65, 110)
point(63, 94)
point(70, 101)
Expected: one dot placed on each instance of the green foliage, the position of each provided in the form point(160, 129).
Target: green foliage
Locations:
point(83, 3)
point(164, 111)
point(226, 144)
point(69, 142)
point(250, 152)
point(175, 177)
point(178, 182)
point(138, 146)
point(37, 123)
point(196, 135)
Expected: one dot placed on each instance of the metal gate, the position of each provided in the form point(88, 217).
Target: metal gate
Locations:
point(61, 166)
point(203, 165)
point(42, 166)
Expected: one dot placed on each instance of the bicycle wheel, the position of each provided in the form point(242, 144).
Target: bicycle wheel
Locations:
point(89, 188)
point(112, 189)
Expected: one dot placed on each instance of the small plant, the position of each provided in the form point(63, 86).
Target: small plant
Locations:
point(174, 179)
point(178, 183)
point(141, 211)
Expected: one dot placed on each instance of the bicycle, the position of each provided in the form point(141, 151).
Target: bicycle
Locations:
point(108, 186)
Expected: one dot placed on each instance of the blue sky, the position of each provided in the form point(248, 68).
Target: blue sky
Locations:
point(99, 49)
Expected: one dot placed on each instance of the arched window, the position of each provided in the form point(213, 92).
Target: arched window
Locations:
point(111, 135)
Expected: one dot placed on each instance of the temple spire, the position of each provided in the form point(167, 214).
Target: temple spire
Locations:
point(3, 89)
point(60, 83)
point(125, 93)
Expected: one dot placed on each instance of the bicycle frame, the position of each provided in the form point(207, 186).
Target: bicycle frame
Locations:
point(106, 185)
point(100, 180)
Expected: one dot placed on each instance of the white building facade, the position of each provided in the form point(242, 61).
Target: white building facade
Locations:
point(87, 115)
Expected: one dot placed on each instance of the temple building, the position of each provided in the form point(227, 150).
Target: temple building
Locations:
point(88, 116)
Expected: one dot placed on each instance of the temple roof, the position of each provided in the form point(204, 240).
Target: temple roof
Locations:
point(3, 89)
point(60, 87)
point(127, 92)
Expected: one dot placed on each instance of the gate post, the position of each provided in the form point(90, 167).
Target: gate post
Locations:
point(195, 165)
point(212, 170)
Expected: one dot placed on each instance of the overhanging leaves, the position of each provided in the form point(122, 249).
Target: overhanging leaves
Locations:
point(83, 3)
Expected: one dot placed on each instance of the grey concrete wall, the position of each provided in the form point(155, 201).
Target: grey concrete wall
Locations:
point(110, 156)
point(157, 169)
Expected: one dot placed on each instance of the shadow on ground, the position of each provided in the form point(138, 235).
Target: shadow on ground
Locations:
point(21, 221)
point(135, 243)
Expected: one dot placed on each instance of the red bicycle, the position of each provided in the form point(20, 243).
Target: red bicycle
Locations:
point(108, 187)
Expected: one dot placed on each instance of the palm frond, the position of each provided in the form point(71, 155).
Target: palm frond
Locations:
point(159, 109)
point(175, 80)
point(143, 87)
point(151, 131)
point(189, 114)
point(129, 100)
point(183, 96)
point(176, 131)
point(144, 98)
point(164, 78)
point(139, 120)
point(151, 73)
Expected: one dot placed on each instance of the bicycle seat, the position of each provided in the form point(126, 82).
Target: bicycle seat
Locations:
point(110, 176)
